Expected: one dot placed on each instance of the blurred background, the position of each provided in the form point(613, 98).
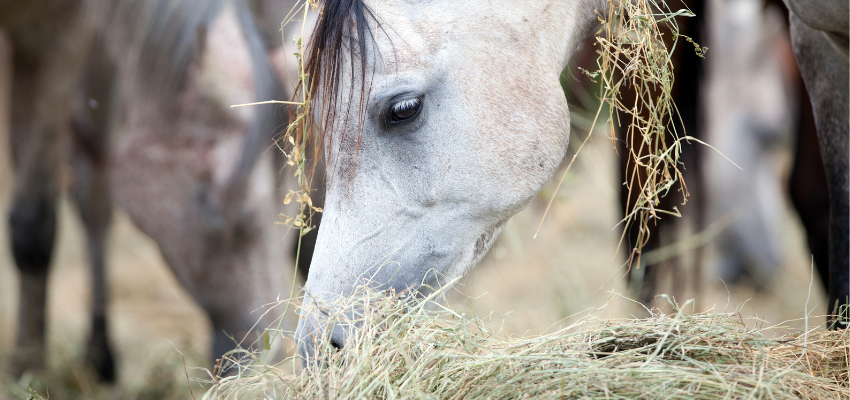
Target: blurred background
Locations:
point(750, 105)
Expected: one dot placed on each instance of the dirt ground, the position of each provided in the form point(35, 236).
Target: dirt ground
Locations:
point(572, 266)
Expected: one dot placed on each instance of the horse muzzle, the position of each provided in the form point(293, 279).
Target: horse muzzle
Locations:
point(320, 333)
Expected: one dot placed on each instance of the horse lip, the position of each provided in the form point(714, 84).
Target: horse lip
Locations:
point(318, 326)
point(314, 328)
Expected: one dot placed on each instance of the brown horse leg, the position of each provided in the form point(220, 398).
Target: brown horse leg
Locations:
point(825, 72)
point(91, 195)
point(688, 93)
point(90, 191)
point(696, 184)
point(32, 218)
point(32, 222)
point(808, 187)
point(642, 278)
point(46, 53)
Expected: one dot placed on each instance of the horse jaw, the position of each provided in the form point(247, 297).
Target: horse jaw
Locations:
point(413, 207)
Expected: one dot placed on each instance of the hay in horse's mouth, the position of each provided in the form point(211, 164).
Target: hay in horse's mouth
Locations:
point(406, 350)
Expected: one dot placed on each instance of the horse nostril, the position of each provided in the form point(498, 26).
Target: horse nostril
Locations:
point(337, 344)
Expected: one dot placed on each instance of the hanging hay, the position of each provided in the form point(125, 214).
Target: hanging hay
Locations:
point(405, 349)
point(633, 58)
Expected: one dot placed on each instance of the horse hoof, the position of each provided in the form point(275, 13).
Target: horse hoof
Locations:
point(99, 358)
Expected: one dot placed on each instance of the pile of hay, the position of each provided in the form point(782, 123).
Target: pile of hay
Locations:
point(406, 350)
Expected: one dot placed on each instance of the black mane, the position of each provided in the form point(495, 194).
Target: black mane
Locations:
point(344, 26)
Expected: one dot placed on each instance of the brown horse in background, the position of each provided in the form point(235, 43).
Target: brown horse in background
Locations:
point(144, 89)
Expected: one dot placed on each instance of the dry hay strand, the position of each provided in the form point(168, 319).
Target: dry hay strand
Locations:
point(417, 349)
point(633, 57)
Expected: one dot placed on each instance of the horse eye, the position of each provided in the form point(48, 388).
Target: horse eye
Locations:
point(405, 109)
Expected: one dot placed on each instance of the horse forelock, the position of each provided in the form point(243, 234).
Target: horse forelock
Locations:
point(344, 33)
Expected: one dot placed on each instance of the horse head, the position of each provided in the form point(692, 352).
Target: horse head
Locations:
point(440, 120)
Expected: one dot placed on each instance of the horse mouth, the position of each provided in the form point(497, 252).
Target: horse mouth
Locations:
point(328, 327)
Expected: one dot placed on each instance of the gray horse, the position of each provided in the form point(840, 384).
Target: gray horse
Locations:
point(750, 106)
point(442, 119)
point(145, 87)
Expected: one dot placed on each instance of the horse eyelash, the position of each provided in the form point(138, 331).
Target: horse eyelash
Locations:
point(406, 104)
